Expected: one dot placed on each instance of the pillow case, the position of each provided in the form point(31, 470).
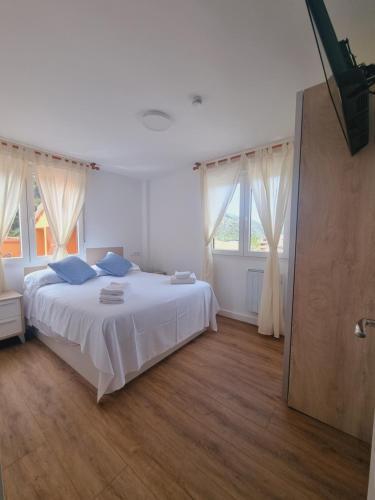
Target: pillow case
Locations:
point(114, 264)
point(41, 278)
point(103, 272)
point(99, 271)
point(135, 267)
point(73, 270)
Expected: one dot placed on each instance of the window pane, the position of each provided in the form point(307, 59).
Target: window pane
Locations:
point(11, 246)
point(258, 241)
point(45, 244)
point(228, 233)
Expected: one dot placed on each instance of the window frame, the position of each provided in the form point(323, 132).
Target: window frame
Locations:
point(245, 226)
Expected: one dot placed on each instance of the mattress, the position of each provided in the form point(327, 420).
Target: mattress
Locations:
point(121, 338)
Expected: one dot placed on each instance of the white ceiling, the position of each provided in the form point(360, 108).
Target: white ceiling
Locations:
point(76, 74)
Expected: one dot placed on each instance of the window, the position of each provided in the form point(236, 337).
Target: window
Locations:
point(241, 231)
point(12, 246)
point(44, 242)
point(228, 233)
point(30, 236)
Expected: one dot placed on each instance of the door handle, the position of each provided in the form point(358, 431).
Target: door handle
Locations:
point(361, 327)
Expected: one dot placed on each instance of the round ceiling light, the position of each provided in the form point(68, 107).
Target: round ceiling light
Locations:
point(156, 120)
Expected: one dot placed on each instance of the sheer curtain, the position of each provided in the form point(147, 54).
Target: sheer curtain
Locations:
point(270, 177)
point(62, 186)
point(218, 184)
point(13, 163)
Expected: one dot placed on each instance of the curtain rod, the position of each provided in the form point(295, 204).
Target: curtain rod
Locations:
point(237, 156)
point(91, 165)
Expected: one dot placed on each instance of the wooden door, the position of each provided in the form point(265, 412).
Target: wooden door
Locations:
point(332, 372)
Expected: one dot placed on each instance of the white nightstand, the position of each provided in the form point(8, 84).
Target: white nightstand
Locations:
point(11, 316)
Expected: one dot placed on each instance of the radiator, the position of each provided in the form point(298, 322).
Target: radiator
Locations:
point(254, 289)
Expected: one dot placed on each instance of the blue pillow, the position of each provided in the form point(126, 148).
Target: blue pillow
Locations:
point(114, 264)
point(73, 270)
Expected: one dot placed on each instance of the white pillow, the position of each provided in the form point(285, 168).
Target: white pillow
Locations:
point(101, 272)
point(41, 278)
point(135, 267)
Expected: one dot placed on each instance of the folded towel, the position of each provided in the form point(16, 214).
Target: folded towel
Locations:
point(111, 300)
point(182, 274)
point(113, 289)
point(187, 281)
point(111, 293)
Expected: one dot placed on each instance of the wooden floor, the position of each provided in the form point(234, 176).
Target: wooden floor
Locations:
point(206, 423)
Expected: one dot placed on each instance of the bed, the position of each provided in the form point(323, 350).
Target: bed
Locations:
point(107, 344)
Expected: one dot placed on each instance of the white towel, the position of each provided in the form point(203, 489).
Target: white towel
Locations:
point(182, 274)
point(113, 289)
point(112, 293)
point(114, 286)
point(187, 281)
point(109, 300)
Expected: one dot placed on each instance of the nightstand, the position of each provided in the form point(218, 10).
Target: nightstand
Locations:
point(11, 316)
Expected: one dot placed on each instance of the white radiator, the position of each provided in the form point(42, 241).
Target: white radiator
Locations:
point(254, 289)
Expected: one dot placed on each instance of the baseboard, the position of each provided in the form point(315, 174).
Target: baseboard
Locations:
point(246, 318)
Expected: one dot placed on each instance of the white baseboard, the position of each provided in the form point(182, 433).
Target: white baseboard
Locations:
point(246, 318)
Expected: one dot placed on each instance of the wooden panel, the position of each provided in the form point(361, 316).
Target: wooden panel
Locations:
point(292, 241)
point(206, 423)
point(95, 254)
point(332, 375)
point(29, 270)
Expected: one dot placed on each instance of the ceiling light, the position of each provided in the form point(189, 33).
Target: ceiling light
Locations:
point(156, 120)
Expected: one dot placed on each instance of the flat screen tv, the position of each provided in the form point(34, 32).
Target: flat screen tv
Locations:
point(348, 82)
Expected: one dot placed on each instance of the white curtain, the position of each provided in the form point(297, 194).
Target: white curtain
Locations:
point(62, 186)
point(218, 183)
point(270, 176)
point(13, 163)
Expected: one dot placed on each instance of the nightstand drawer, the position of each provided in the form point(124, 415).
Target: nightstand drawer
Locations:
point(9, 309)
point(11, 326)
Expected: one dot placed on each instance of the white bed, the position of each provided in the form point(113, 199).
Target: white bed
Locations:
point(108, 344)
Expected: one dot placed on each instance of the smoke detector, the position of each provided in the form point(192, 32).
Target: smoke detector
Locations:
point(197, 100)
point(156, 120)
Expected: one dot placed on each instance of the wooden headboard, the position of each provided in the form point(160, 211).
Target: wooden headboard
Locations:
point(95, 254)
point(28, 270)
point(92, 256)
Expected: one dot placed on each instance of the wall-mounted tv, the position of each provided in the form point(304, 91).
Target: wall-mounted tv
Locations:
point(348, 82)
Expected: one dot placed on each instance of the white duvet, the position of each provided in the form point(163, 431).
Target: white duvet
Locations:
point(121, 338)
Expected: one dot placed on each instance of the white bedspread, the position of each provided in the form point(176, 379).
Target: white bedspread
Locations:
point(121, 338)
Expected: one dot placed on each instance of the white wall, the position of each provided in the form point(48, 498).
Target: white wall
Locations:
point(176, 241)
point(175, 223)
point(113, 212)
point(113, 217)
